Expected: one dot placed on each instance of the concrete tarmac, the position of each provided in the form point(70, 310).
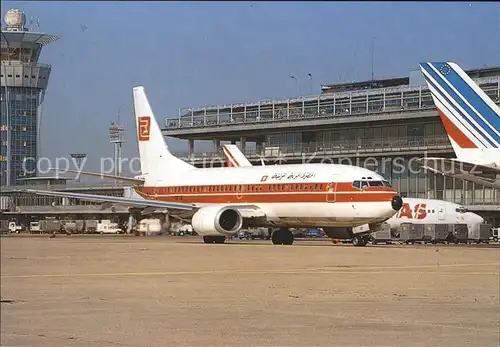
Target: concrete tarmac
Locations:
point(176, 291)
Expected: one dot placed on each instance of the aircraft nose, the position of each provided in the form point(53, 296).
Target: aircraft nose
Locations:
point(396, 202)
point(475, 218)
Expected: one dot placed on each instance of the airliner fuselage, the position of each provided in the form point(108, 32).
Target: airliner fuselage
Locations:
point(308, 195)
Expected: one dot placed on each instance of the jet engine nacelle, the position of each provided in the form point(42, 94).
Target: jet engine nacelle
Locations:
point(217, 221)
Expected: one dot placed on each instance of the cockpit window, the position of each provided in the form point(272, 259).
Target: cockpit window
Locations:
point(461, 210)
point(362, 184)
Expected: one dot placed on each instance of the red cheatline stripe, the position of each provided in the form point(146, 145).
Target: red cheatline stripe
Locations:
point(274, 198)
point(267, 192)
point(455, 133)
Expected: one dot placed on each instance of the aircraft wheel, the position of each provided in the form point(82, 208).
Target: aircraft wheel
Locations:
point(282, 236)
point(214, 239)
point(276, 237)
point(220, 239)
point(288, 240)
point(359, 241)
point(208, 239)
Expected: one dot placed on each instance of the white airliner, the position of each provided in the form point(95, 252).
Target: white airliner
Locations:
point(414, 210)
point(220, 201)
point(471, 120)
point(431, 211)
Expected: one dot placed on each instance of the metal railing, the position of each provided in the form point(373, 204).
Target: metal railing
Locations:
point(72, 186)
point(471, 201)
point(333, 148)
point(344, 104)
point(23, 64)
point(66, 209)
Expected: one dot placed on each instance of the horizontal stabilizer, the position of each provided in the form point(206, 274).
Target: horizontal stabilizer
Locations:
point(456, 166)
point(480, 174)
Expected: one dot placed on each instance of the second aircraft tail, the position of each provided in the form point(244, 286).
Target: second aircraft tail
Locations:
point(470, 118)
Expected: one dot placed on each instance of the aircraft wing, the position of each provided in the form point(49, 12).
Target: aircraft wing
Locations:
point(116, 200)
point(101, 175)
point(481, 174)
point(252, 215)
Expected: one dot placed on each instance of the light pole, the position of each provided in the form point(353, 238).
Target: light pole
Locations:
point(116, 138)
point(373, 57)
point(296, 84)
point(78, 157)
point(310, 82)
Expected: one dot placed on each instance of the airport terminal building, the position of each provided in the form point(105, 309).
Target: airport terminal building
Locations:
point(383, 125)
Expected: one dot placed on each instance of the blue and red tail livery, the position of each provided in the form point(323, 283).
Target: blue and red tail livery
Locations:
point(470, 118)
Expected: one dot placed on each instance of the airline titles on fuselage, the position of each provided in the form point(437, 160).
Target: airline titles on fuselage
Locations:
point(278, 176)
point(419, 211)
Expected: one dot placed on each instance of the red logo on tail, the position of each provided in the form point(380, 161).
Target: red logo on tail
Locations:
point(144, 128)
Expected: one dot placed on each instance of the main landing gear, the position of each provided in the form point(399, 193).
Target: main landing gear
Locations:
point(282, 236)
point(214, 239)
point(360, 240)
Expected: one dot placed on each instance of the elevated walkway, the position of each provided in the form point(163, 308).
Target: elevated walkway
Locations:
point(313, 112)
point(60, 210)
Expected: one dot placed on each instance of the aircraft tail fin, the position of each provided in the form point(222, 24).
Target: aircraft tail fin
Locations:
point(470, 118)
point(234, 157)
point(156, 159)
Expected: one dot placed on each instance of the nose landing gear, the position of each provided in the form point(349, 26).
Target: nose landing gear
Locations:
point(360, 240)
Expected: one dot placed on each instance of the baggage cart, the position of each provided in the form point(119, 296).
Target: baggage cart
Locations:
point(460, 233)
point(411, 233)
point(480, 233)
point(384, 234)
point(436, 233)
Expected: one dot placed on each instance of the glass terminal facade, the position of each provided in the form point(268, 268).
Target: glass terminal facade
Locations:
point(20, 114)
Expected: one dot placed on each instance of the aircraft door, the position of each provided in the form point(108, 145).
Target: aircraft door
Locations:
point(441, 212)
point(331, 192)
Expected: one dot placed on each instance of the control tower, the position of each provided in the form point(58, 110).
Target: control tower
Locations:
point(23, 85)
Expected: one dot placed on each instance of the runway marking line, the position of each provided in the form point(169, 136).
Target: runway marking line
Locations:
point(326, 270)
